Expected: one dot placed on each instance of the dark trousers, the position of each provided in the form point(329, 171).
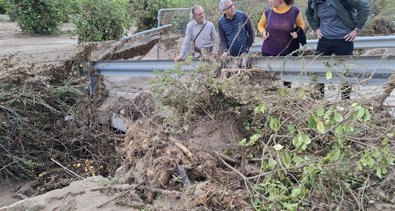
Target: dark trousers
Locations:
point(338, 47)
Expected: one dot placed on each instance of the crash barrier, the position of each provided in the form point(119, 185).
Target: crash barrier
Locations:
point(365, 42)
point(365, 70)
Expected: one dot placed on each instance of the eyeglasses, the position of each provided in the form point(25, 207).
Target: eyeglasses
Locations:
point(230, 6)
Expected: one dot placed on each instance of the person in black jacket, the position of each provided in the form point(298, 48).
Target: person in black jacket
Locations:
point(336, 23)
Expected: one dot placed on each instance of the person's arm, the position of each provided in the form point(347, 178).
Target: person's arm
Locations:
point(310, 16)
point(362, 7)
point(251, 34)
point(363, 10)
point(213, 34)
point(186, 45)
point(262, 24)
point(299, 21)
point(223, 47)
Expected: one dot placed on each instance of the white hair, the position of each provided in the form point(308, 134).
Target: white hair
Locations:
point(222, 4)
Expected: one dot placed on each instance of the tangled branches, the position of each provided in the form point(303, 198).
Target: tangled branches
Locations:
point(296, 151)
point(43, 119)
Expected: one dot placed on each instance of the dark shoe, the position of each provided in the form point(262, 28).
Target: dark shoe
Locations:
point(345, 91)
point(287, 84)
point(321, 89)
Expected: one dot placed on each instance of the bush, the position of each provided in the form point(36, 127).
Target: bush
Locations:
point(69, 8)
point(145, 12)
point(37, 16)
point(3, 6)
point(102, 20)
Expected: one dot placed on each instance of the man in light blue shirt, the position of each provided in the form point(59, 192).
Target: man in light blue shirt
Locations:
point(200, 35)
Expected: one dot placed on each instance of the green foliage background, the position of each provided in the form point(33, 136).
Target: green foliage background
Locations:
point(102, 20)
point(3, 6)
point(98, 20)
point(37, 16)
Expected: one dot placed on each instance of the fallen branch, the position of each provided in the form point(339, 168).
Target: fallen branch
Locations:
point(182, 147)
point(227, 72)
point(67, 170)
point(120, 195)
point(228, 159)
point(229, 166)
point(115, 187)
point(161, 191)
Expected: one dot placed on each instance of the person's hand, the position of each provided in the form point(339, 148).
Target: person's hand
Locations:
point(294, 35)
point(351, 36)
point(224, 55)
point(265, 36)
point(318, 34)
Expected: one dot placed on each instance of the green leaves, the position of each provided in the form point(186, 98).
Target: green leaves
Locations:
point(321, 127)
point(261, 108)
point(324, 120)
point(274, 123)
point(39, 17)
point(334, 155)
point(92, 25)
point(361, 113)
point(311, 122)
point(252, 140)
point(320, 111)
point(377, 160)
point(301, 141)
point(291, 128)
point(328, 75)
point(290, 206)
point(278, 147)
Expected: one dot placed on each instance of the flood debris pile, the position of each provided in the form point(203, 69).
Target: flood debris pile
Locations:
point(135, 45)
point(234, 144)
point(48, 128)
point(47, 121)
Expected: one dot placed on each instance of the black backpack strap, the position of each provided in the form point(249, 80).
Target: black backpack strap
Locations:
point(293, 8)
point(268, 19)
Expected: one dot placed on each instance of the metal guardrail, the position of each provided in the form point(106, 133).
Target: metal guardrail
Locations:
point(368, 70)
point(364, 42)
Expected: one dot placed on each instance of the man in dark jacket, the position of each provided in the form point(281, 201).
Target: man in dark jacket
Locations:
point(235, 30)
point(336, 23)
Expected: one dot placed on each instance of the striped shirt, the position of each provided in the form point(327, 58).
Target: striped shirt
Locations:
point(205, 39)
point(237, 34)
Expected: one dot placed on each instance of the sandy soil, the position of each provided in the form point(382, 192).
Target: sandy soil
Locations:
point(13, 40)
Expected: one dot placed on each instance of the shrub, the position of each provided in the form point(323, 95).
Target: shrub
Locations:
point(69, 8)
point(145, 12)
point(102, 20)
point(3, 6)
point(37, 16)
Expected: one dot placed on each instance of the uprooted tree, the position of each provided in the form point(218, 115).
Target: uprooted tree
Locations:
point(280, 148)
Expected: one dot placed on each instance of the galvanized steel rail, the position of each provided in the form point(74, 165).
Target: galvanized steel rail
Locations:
point(365, 42)
point(368, 70)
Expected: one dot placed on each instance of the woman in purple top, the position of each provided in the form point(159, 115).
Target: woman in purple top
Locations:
point(277, 25)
